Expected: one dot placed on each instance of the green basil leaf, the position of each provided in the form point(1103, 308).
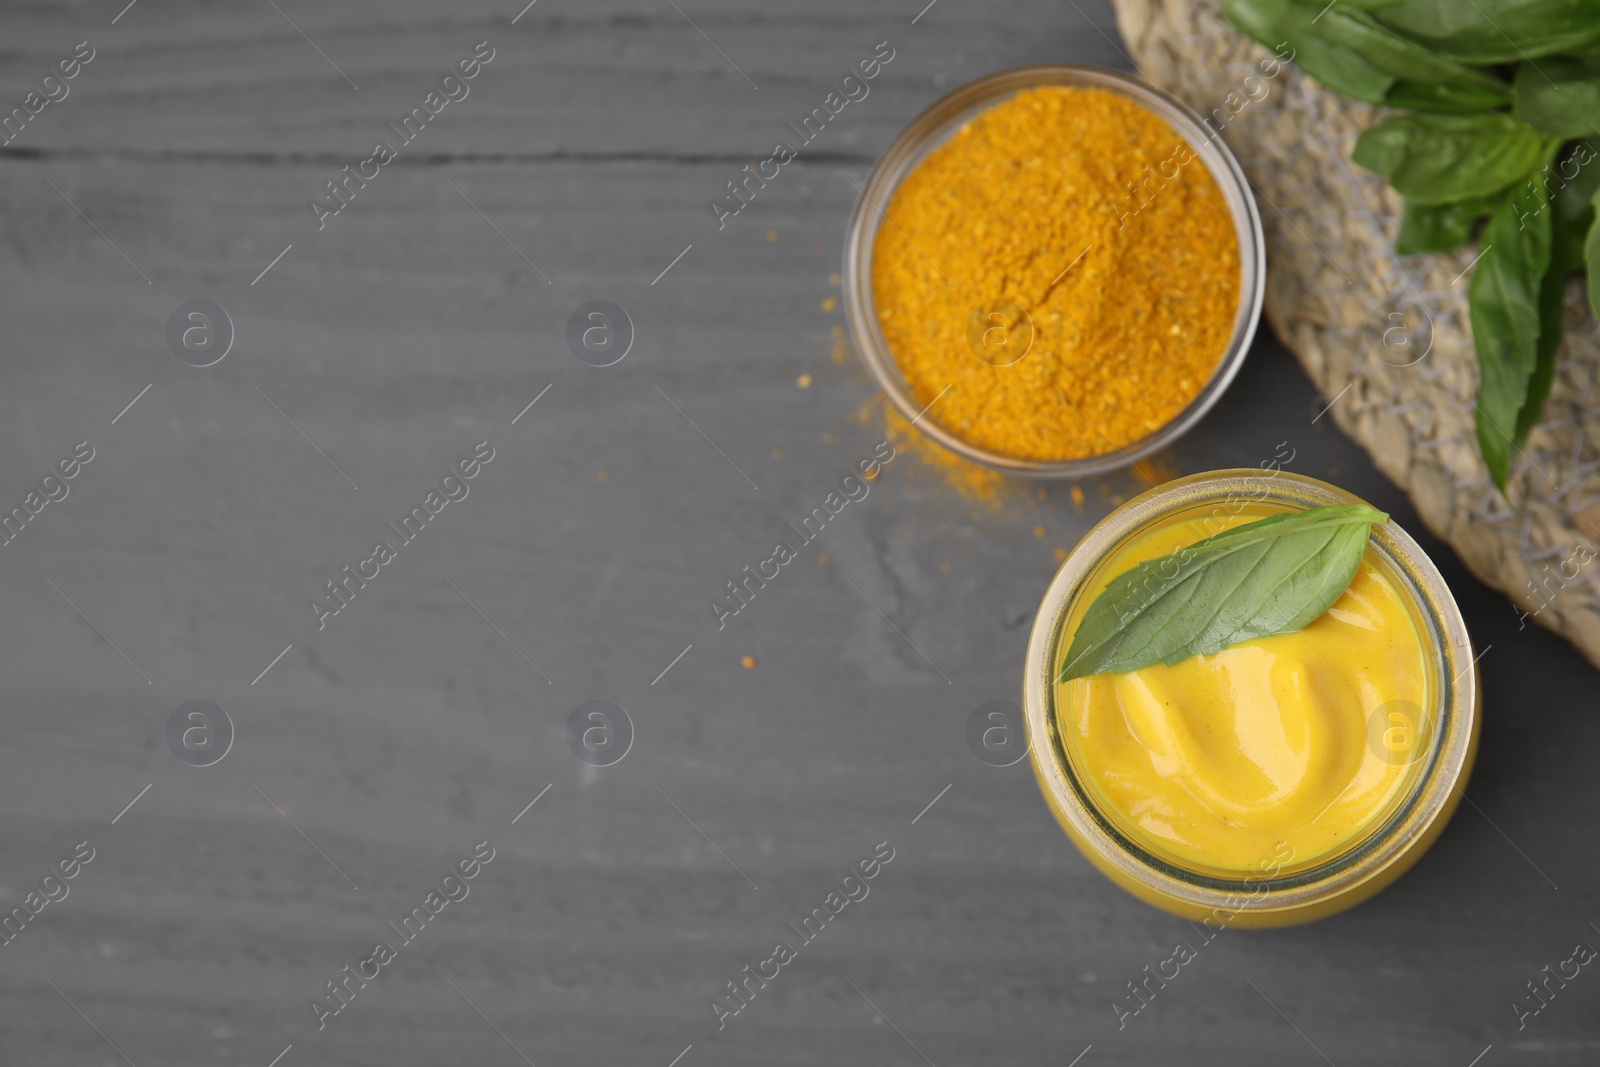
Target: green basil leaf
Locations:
point(1591, 256)
point(1271, 576)
point(1345, 49)
point(1339, 68)
point(1506, 321)
point(1552, 306)
point(1572, 215)
point(1441, 227)
point(1576, 180)
point(1495, 31)
point(1276, 23)
point(1391, 53)
point(1453, 98)
point(1559, 96)
point(1436, 159)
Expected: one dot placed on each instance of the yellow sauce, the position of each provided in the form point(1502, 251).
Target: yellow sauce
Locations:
point(1265, 755)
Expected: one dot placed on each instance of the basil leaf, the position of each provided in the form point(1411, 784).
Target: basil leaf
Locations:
point(1559, 96)
point(1271, 576)
point(1591, 256)
point(1552, 306)
point(1441, 227)
point(1572, 219)
point(1436, 159)
point(1576, 183)
point(1388, 51)
point(1340, 69)
point(1276, 23)
point(1506, 322)
point(1458, 98)
point(1345, 49)
point(1495, 31)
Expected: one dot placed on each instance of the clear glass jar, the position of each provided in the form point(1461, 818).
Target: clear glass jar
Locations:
point(1445, 738)
point(940, 122)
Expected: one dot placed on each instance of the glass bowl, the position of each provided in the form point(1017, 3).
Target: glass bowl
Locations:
point(931, 129)
point(1441, 749)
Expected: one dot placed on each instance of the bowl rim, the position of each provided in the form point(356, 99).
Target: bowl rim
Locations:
point(942, 118)
point(1453, 740)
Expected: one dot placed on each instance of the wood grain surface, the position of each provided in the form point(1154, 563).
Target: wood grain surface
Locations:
point(425, 716)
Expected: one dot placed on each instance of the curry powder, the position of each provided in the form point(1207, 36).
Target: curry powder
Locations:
point(1092, 215)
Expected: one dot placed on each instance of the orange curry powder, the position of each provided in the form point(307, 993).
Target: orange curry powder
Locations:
point(1095, 218)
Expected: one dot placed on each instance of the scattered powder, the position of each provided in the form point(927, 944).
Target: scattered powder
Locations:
point(1156, 468)
point(978, 484)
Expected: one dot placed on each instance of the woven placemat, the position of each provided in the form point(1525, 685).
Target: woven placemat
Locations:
point(1387, 340)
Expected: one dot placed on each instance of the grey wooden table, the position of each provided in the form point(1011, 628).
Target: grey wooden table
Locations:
point(370, 756)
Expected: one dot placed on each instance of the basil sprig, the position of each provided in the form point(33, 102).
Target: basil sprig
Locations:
point(1271, 576)
point(1525, 154)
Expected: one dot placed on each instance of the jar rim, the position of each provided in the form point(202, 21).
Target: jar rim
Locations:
point(1429, 798)
point(940, 120)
